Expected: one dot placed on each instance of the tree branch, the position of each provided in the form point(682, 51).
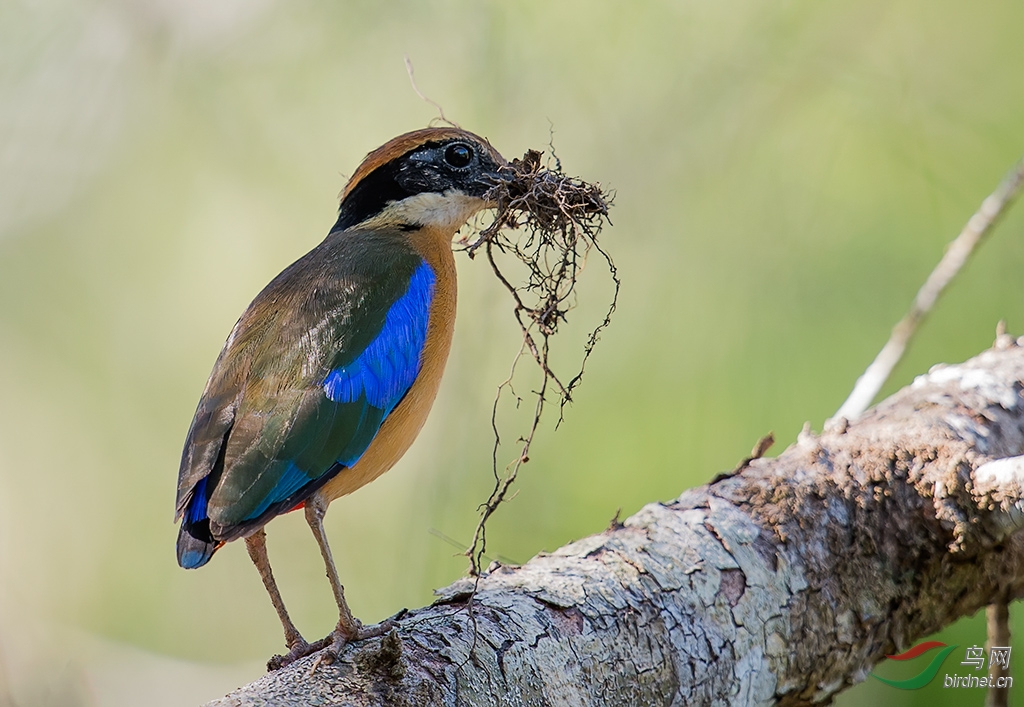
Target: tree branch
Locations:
point(955, 257)
point(782, 584)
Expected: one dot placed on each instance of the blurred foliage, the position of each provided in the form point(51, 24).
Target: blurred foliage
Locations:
point(787, 175)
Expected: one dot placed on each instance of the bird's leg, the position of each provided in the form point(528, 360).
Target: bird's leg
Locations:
point(349, 628)
point(256, 544)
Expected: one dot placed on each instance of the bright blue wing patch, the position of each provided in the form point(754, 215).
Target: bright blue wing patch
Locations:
point(386, 369)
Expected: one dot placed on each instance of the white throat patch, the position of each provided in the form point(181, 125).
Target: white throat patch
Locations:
point(448, 211)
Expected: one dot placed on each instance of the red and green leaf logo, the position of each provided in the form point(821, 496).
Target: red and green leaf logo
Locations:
point(925, 676)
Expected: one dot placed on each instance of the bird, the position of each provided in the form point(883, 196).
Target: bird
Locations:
point(329, 374)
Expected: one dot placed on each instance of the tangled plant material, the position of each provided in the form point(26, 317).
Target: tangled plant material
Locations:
point(548, 222)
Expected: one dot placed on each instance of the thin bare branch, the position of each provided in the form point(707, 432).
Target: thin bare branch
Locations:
point(998, 620)
point(957, 254)
point(412, 80)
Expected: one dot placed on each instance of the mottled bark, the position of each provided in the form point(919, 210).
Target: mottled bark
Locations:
point(783, 583)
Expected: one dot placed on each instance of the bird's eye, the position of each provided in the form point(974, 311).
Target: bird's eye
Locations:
point(458, 155)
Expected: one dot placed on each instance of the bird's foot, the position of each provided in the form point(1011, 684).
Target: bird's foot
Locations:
point(333, 643)
point(343, 635)
point(298, 649)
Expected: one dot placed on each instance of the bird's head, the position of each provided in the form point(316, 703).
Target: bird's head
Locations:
point(435, 177)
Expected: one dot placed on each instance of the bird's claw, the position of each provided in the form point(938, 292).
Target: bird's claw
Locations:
point(342, 636)
point(299, 649)
point(331, 645)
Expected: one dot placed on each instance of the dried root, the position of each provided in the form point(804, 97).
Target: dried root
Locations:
point(561, 217)
point(547, 222)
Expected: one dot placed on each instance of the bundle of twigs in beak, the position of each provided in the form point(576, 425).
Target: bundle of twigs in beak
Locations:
point(556, 219)
point(549, 222)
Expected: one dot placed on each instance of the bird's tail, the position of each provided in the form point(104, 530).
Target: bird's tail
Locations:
point(195, 544)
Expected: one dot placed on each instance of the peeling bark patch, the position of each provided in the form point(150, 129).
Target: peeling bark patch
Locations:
point(387, 661)
point(734, 583)
point(767, 550)
point(569, 621)
point(502, 649)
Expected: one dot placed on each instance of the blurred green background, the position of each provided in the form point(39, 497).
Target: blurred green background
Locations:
point(787, 175)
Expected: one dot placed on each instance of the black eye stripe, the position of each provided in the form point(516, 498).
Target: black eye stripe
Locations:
point(431, 167)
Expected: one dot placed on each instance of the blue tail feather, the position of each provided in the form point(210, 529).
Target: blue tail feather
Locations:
point(193, 551)
point(195, 541)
